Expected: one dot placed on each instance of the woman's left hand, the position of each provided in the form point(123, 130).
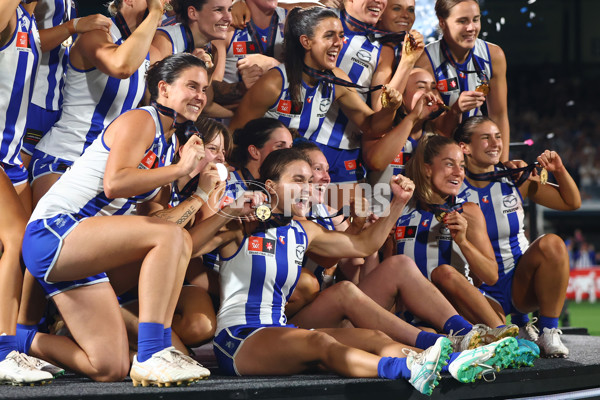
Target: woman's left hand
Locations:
point(550, 160)
point(402, 188)
point(192, 159)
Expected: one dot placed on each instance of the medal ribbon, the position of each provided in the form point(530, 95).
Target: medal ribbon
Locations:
point(253, 31)
point(372, 33)
point(478, 70)
point(327, 76)
point(498, 174)
point(440, 210)
point(122, 25)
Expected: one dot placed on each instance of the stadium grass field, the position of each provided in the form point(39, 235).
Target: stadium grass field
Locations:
point(585, 314)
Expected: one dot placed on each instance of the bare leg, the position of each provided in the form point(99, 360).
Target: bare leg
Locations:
point(398, 280)
point(542, 276)
point(41, 185)
point(13, 219)
point(24, 193)
point(371, 341)
point(466, 298)
point(285, 351)
point(344, 300)
point(99, 347)
point(194, 321)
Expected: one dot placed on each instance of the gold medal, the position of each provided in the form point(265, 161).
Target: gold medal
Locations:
point(385, 99)
point(263, 212)
point(410, 44)
point(167, 7)
point(68, 42)
point(543, 176)
point(483, 88)
point(440, 216)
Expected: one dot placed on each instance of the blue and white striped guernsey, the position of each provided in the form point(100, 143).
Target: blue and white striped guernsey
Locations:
point(50, 76)
point(92, 100)
point(80, 190)
point(428, 242)
point(451, 82)
point(318, 210)
point(257, 281)
point(309, 121)
point(502, 207)
point(18, 65)
point(181, 41)
point(241, 44)
point(358, 58)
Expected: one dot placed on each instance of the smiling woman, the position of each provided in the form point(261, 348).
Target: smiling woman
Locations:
point(446, 236)
point(87, 215)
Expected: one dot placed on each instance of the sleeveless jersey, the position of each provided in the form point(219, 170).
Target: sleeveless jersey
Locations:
point(242, 44)
point(451, 82)
point(318, 210)
point(92, 100)
point(257, 281)
point(80, 190)
point(309, 121)
point(50, 77)
point(18, 65)
point(181, 42)
point(428, 242)
point(502, 207)
point(397, 166)
point(358, 58)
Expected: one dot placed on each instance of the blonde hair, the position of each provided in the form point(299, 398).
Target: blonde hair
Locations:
point(114, 6)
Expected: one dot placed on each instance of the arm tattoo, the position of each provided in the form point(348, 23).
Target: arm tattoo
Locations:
point(228, 93)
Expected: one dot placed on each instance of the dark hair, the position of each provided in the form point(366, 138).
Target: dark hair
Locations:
point(276, 162)
point(209, 129)
point(443, 7)
point(169, 69)
point(299, 21)
point(305, 145)
point(256, 132)
point(429, 146)
point(180, 7)
point(465, 130)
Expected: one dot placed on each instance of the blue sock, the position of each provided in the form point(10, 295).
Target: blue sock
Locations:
point(25, 335)
point(167, 337)
point(393, 368)
point(458, 325)
point(426, 339)
point(519, 319)
point(500, 326)
point(8, 343)
point(150, 339)
point(452, 358)
point(547, 322)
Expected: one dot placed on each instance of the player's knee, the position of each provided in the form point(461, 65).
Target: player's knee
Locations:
point(445, 276)
point(196, 329)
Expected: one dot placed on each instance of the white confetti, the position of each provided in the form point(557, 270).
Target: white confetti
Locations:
point(484, 34)
point(498, 26)
point(531, 1)
point(502, 20)
point(549, 135)
point(489, 20)
point(570, 103)
point(531, 15)
point(552, 80)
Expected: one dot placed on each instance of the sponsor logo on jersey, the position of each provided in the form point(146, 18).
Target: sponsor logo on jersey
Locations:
point(350, 165)
point(425, 223)
point(510, 204)
point(262, 246)
point(282, 240)
point(485, 199)
point(444, 230)
point(300, 249)
point(241, 48)
point(309, 99)
point(405, 232)
point(447, 85)
point(22, 40)
point(148, 161)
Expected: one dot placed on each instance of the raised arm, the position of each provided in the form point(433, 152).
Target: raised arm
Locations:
point(380, 152)
point(341, 244)
point(96, 49)
point(496, 99)
point(370, 123)
point(565, 196)
point(128, 138)
point(385, 74)
point(469, 232)
point(52, 37)
point(258, 99)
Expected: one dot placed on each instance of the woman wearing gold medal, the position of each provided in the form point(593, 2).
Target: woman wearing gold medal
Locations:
point(531, 276)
